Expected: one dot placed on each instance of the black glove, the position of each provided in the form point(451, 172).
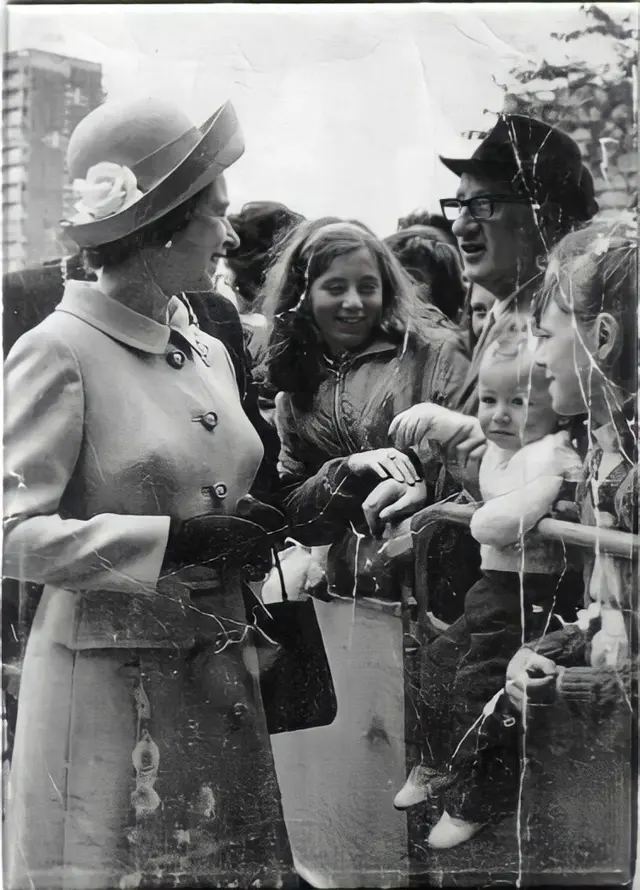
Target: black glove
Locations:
point(218, 541)
point(270, 518)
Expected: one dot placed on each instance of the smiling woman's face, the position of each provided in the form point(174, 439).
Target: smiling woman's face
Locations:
point(346, 301)
point(498, 252)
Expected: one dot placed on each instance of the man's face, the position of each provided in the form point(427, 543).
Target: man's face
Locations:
point(498, 253)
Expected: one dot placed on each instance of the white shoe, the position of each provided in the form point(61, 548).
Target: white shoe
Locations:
point(449, 832)
point(416, 789)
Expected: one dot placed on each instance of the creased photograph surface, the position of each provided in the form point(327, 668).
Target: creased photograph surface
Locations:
point(320, 549)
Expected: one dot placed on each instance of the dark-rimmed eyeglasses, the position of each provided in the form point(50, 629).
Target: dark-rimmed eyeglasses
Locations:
point(480, 207)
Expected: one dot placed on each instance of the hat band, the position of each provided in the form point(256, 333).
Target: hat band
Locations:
point(201, 164)
point(156, 166)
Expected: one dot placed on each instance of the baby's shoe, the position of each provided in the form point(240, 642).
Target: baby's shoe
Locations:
point(450, 831)
point(416, 789)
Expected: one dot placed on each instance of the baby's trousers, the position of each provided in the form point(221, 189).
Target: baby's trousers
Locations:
point(462, 670)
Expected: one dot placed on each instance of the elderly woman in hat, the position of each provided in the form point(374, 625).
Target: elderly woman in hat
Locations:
point(127, 459)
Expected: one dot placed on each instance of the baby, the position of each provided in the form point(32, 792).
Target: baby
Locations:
point(526, 461)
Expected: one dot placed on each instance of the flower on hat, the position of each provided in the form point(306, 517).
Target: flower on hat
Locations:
point(108, 189)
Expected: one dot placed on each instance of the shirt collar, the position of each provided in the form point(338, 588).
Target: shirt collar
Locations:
point(86, 301)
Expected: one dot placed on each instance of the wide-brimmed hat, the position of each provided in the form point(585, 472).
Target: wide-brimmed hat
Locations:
point(133, 162)
point(533, 154)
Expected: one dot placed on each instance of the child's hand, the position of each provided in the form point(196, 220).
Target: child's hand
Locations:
point(567, 511)
point(391, 501)
point(470, 446)
point(527, 672)
point(459, 434)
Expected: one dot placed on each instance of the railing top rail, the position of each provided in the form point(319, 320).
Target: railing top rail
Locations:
point(617, 543)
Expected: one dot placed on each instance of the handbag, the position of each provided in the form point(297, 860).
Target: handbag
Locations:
point(295, 677)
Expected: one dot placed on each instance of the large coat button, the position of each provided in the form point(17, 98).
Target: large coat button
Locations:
point(176, 359)
point(220, 490)
point(209, 420)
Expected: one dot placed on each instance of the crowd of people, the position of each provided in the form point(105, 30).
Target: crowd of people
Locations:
point(192, 390)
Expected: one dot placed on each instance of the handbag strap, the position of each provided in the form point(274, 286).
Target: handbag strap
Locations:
point(278, 566)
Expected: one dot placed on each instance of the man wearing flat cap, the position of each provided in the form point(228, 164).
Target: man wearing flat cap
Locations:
point(522, 190)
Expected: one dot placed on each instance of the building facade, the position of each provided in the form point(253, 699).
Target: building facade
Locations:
point(44, 97)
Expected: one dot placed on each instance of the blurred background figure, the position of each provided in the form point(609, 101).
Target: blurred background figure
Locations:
point(477, 306)
point(29, 295)
point(434, 266)
point(439, 225)
point(260, 226)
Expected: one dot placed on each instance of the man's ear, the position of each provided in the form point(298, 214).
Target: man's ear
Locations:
point(608, 338)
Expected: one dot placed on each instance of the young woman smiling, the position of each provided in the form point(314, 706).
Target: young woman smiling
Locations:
point(352, 346)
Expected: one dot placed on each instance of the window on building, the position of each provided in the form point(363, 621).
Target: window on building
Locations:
point(12, 155)
point(13, 117)
point(11, 194)
point(14, 175)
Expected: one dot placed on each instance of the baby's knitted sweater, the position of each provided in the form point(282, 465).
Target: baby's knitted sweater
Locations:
point(518, 488)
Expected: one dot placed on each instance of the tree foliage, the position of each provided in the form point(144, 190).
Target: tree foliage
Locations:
point(594, 100)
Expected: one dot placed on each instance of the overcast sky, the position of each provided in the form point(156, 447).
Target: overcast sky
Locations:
point(345, 108)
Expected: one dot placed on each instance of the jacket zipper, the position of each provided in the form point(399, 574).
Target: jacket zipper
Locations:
point(339, 378)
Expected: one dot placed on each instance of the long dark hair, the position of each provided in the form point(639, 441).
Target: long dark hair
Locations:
point(294, 357)
point(261, 226)
point(433, 264)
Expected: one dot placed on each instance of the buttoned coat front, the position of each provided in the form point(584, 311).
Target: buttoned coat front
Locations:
point(136, 752)
point(105, 441)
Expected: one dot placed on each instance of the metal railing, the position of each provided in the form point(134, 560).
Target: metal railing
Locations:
point(424, 524)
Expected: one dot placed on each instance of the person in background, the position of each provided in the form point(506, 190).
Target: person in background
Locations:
point(351, 347)
point(29, 295)
point(439, 226)
point(526, 461)
point(260, 226)
point(586, 320)
point(523, 189)
point(480, 305)
point(127, 457)
point(477, 306)
point(433, 265)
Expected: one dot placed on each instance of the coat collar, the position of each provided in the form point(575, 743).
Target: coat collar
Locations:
point(382, 343)
point(86, 301)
